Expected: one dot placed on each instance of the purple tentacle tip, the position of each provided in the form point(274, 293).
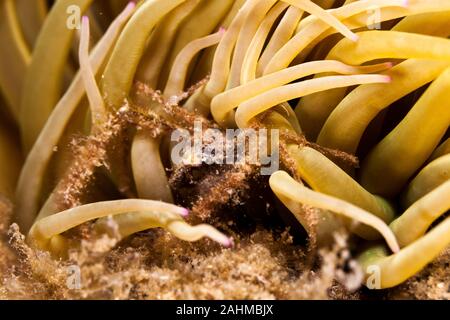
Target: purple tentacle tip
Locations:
point(185, 212)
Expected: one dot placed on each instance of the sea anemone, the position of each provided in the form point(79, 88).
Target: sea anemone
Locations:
point(352, 98)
